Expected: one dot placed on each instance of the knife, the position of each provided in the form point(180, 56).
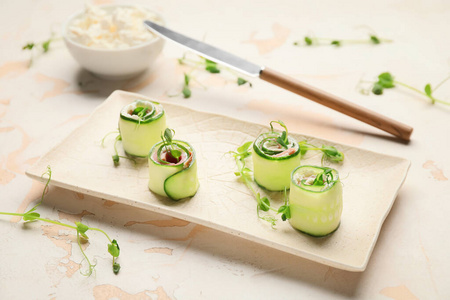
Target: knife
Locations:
point(232, 61)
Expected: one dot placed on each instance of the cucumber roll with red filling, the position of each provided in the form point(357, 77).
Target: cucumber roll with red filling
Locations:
point(275, 155)
point(172, 168)
point(141, 124)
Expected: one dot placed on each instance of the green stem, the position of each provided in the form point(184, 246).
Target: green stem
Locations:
point(196, 80)
point(49, 172)
point(248, 183)
point(40, 219)
point(423, 93)
point(84, 254)
point(441, 83)
point(98, 229)
point(115, 144)
point(410, 87)
point(103, 140)
point(240, 166)
point(321, 41)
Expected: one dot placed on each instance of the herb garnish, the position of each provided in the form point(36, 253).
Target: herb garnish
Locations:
point(31, 216)
point(329, 153)
point(39, 47)
point(283, 139)
point(207, 65)
point(173, 152)
point(263, 203)
point(244, 173)
point(311, 40)
point(116, 157)
point(387, 81)
point(285, 210)
point(323, 178)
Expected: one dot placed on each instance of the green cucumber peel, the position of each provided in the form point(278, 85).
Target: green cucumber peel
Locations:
point(171, 185)
point(269, 144)
point(175, 178)
point(81, 229)
point(145, 114)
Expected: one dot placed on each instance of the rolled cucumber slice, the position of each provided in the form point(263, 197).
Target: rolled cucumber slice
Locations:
point(270, 170)
point(316, 209)
point(140, 132)
point(176, 181)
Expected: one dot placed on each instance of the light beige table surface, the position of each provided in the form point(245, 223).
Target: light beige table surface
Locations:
point(167, 258)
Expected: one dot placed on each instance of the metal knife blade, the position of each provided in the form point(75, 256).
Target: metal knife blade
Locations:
point(207, 51)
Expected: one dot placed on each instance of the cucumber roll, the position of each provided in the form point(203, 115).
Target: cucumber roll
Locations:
point(275, 155)
point(141, 124)
point(315, 200)
point(172, 168)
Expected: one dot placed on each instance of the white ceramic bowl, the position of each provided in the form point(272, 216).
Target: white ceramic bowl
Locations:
point(113, 64)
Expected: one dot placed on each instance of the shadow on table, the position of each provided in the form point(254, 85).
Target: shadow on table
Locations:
point(90, 85)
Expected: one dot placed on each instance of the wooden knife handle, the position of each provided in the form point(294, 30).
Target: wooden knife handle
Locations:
point(394, 127)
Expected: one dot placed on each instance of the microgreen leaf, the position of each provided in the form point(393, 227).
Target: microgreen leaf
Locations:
point(46, 45)
point(28, 46)
point(116, 268)
point(332, 154)
point(244, 147)
point(242, 81)
point(212, 69)
point(186, 92)
point(82, 228)
point(428, 90)
point(264, 203)
point(137, 110)
point(211, 66)
point(31, 216)
point(114, 249)
point(336, 43)
point(308, 41)
point(116, 159)
point(303, 145)
point(281, 141)
point(175, 153)
point(374, 39)
point(285, 212)
point(323, 177)
point(187, 79)
point(386, 80)
point(168, 135)
point(377, 89)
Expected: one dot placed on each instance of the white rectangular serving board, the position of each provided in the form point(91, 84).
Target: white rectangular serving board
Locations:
point(371, 182)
